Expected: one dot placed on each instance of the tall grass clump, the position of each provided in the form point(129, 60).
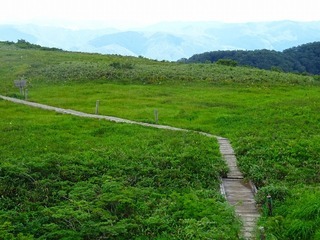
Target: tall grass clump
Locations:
point(297, 218)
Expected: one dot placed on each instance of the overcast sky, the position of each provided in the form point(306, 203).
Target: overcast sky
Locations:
point(138, 13)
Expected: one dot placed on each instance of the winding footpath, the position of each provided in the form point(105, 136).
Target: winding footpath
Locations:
point(236, 190)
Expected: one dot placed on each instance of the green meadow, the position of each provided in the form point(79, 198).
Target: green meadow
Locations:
point(63, 177)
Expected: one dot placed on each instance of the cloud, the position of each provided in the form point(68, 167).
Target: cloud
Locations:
point(146, 12)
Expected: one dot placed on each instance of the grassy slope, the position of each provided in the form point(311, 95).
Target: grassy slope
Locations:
point(271, 118)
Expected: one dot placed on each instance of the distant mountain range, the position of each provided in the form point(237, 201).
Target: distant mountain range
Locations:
point(170, 41)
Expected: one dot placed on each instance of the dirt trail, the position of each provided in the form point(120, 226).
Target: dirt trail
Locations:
point(237, 192)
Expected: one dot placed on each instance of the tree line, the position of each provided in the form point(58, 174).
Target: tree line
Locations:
point(23, 44)
point(301, 59)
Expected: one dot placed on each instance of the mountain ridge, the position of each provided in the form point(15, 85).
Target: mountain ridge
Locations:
point(171, 40)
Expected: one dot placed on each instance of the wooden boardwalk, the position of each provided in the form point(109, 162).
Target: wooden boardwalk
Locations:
point(237, 192)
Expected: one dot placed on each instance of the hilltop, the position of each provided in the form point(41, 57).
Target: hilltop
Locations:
point(54, 66)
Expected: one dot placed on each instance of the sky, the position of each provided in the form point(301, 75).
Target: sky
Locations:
point(79, 14)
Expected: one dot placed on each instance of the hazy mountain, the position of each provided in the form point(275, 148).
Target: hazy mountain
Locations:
point(171, 40)
point(133, 41)
point(10, 33)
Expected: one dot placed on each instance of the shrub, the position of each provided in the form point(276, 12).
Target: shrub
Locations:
point(278, 193)
point(227, 62)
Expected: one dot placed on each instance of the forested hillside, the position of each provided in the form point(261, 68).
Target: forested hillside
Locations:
point(301, 59)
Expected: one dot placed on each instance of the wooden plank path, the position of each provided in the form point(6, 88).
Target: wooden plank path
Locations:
point(237, 192)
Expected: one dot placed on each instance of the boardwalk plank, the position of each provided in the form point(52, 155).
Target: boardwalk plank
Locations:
point(238, 192)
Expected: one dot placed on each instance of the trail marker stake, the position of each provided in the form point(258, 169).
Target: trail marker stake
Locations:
point(26, 94)
point(262, 233)
point(269, 205)
point(97, 107)
point(156, 116)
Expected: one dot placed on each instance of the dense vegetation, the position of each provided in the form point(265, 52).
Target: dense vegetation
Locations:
point(69, 178)
point(53, 162)
point(301, 59)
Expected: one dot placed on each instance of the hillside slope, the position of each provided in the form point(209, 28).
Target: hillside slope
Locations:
point(51, 65)
point(67, 171)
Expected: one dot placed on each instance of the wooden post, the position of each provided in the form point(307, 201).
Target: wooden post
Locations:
point(156, 116)
point(26, 94)
point(269, 205)
point(97, 107)
point(262, 233)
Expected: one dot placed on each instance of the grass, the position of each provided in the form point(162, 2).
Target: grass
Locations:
point(271, 118)
point(215, 109)
point(87, 179)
